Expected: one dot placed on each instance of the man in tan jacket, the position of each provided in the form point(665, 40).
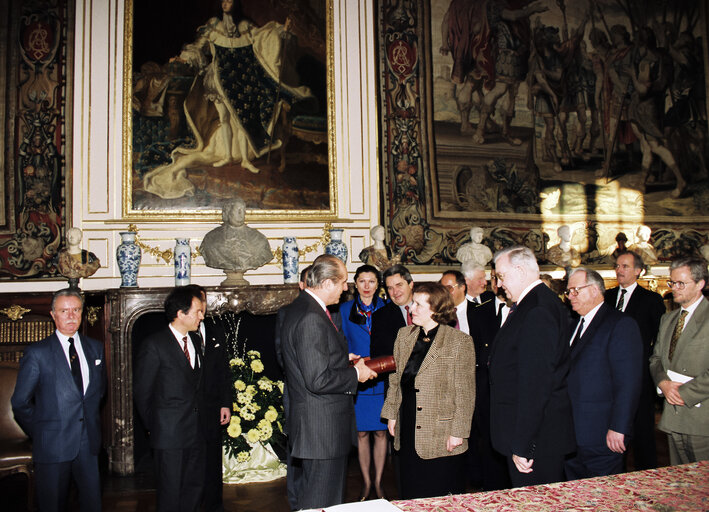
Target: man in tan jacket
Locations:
point(680, 364)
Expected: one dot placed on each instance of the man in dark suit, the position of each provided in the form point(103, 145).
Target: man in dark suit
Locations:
point(168, 397)
point(216, 388)
point(56, 401)
point(485, 320)
point(319, 387)
point(646, 308)
point(387, 320)
point(530, 411)
point(454, 282)
point(604, 379)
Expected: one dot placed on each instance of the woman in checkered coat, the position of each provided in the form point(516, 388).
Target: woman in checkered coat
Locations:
point(430, 401)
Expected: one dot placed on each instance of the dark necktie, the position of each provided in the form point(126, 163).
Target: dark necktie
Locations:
point(499, 313)
point(677, 332)
point(75, 366)
point(621, 301)
point(476, 301)
point(409, 320)
point(184, 349)
point(578, 333)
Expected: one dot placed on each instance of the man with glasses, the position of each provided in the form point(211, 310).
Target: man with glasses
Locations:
point(604, 378)
point(530, 410)
point(680, 364)
point(646, 308)
point(454, 282)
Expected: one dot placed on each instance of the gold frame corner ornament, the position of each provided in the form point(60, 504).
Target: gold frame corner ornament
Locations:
point(15, 312)
point(128, 213)
point(92, 314)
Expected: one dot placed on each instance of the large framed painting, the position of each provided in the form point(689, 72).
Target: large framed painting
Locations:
point(228, 98)
point(520, 117)
point(36, 68)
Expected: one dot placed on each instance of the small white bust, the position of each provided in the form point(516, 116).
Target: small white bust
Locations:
point(378, 236)
point(474, 250)
point(74, 262)
point(563, 254)
point(378, 254)
point(643, 246)
point(73, 240)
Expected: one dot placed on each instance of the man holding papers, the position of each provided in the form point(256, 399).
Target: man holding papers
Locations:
point(680, 364)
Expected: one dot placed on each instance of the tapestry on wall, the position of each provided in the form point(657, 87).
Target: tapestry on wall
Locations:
point(36, 110)
point(520, 117)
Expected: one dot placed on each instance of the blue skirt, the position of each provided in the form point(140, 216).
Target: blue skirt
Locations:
point(368, 410)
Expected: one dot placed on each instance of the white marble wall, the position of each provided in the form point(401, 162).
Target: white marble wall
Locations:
point(98, 149)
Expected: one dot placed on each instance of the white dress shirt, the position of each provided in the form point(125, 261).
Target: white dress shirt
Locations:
point(587, 319)
point(83, 364)
point(190, 346)
point(628, 293)
point(461, 311)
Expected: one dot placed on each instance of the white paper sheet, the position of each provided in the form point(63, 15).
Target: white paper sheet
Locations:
point(359, 506)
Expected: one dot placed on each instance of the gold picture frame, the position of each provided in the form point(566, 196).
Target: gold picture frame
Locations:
point(300, 200)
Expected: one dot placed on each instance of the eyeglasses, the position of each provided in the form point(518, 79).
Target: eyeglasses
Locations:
point(678, 284)
point(451, 287)
point(573, 292)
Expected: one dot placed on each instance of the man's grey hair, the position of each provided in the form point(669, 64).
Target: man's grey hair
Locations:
point(67, 292)
point(519, 255)
point(697, 267)
point(325, 266)
point(469, 268)
point(592, 277)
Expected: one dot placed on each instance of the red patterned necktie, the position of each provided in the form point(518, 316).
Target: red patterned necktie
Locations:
point(409, 320)
point(327, 311)
point(184, 349)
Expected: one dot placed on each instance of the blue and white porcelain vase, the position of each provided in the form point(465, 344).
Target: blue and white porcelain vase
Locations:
point(336, 246)
point(290, 260)
point(183, 263)
point(128, 259)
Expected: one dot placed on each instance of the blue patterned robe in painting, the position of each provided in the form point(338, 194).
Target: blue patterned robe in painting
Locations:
point(233, 103)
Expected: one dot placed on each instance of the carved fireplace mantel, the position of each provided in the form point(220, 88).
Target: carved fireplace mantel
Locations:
point(126, 305)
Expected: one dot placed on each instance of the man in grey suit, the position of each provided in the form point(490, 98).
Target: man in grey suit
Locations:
point(680, 364)
point(319, 388)
point(57, 402)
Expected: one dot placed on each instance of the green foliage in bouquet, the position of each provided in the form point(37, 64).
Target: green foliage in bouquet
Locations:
point(257, 402)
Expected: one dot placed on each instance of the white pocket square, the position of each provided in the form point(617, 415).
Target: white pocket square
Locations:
point(97, 362)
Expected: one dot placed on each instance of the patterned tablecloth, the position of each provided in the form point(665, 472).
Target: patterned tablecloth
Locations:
point(673, 488)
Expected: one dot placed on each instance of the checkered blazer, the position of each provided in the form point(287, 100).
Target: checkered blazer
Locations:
point(446, 390)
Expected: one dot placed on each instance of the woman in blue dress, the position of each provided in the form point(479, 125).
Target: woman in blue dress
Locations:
point(356, 318)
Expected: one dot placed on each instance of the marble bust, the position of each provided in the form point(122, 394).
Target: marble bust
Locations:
point(234, 247)
point(73, 261)
point(378, 254)
point(474, 250)
point(643, 246)
point(563, 254)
